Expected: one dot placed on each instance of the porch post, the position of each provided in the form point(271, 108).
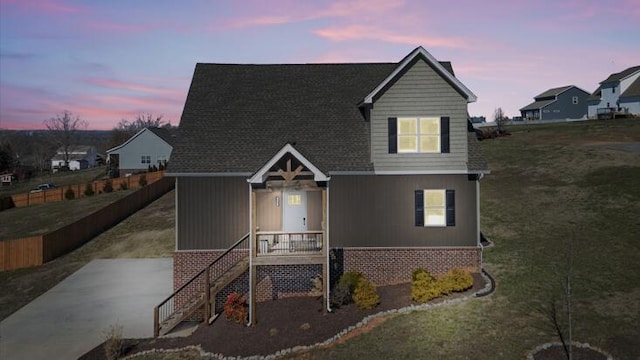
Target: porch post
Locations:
point(325, 249)
point(252, 254)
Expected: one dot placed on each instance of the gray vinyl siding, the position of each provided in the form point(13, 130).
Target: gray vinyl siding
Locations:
point(419, 92)
point(379, 211)
point(564, 108)
point(213, 212)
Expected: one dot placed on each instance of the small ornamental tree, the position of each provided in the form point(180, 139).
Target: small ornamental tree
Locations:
point(108, 186)
point(88, 190)
point(236, 308)
point(142, 181)
point(69, 194)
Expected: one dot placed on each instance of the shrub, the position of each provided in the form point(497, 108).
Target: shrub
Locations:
point(235, 308)
point(88, 190)
point(69, 194)
point(456, 280)
point(108, 186)
point(142, 181)
point(340, 295)
point(114, 342)
point(123, 185)
point(416, 272)
point(425, 287)
point(365, 295)
point(351, 279)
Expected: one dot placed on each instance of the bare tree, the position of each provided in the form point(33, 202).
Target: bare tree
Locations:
point(500, 119)
point(125, 128)
point(63, 130)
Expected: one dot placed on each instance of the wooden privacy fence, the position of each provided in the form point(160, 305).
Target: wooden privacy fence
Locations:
point(37, 250)
point(98, 186)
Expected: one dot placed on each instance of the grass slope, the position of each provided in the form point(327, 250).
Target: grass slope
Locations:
point(549, 184)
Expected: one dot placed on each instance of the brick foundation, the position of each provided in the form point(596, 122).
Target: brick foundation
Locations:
point(388, 266)
point(382, 266)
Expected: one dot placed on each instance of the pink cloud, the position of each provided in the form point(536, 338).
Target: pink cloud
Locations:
point(51, 7)
point(106, 26)
point(129, 86)
point(365, 32)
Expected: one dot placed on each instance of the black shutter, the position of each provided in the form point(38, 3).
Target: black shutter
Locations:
point(393, 135)
point(419, 208)
point(451, 207)
point(444, 134)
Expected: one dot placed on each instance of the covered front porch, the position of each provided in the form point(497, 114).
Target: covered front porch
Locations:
point(289, 223)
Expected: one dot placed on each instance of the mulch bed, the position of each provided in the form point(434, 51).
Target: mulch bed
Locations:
point(282, 324)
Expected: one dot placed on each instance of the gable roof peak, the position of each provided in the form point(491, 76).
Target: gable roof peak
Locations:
point(421, 53)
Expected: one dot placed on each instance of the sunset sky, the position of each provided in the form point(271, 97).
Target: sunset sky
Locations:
point(110, 60)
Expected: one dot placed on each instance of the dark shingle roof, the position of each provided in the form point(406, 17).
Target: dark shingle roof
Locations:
point(237, 117)
point(164, 134)
point(621, 75)
point(633, 89)
point(537, 105)
point(476, 161)
point(554, 91)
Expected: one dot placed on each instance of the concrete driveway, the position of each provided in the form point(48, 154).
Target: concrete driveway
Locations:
point(73, 317)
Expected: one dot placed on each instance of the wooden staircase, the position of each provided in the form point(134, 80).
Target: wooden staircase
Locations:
point(168, 314)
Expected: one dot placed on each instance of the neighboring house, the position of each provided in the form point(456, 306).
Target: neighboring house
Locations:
point(369, 167)
point(619, 93)
point(80, 157)
point(566, 102)
point(148, 147)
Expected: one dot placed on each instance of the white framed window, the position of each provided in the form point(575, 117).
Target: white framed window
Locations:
point(419, 135)
point(145, 159)
point(294, 199)
point(574, 100)
point(435, 208)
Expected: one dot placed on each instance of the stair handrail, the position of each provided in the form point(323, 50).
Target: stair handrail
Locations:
point(206, 270)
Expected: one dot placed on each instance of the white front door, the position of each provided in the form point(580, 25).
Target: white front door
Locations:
point(294, 210)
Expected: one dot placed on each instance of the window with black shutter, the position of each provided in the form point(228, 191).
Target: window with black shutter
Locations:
point(435, 207)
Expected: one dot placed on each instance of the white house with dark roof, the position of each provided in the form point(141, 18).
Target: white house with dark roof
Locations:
point(79, 157)
point(292, 172)
point(565, 102)
point(617, 94)
point(148, 147)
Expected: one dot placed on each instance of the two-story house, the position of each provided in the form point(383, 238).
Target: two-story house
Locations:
point(617, 94)
point(565, 102)
point(303, 171)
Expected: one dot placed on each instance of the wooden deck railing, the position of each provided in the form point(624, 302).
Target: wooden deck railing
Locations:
point(281, 243)
point(195, 292)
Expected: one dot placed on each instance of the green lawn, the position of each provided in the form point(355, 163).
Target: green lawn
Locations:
point(549, 184)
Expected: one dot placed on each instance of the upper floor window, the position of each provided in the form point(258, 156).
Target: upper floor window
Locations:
point(418, 135)
point(613, 90)
point(145, 159)
point(574, 100)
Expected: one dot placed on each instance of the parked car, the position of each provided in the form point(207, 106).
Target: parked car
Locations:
point(42, 187)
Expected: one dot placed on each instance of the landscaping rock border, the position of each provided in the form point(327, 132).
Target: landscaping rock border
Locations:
point(488, 289)
point(532, 353)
